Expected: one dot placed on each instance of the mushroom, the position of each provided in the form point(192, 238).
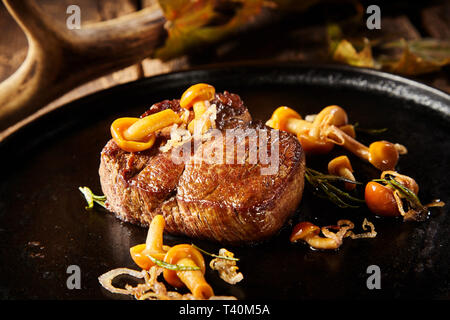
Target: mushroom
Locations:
point(134, 134)
point(383, 155)
point(380, 200)
point(385, 200)
point(310, 233)
point(140, 130)
point(341, 166)
point(330, 127)
point(153, 245)
point(121, 124)
point(287, 119)
point(198, 97)
point(331, 115)
point(187, 255)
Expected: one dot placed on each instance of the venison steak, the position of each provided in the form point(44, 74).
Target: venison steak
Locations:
point(229, 200)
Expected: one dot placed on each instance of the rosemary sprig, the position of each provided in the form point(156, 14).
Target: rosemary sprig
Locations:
point(170, 266)
point(91, 198)
point(323, 188)
point(406, 192)
point(214, 255)
point(415, 210)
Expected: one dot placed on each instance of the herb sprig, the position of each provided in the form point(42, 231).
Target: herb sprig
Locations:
point(414, 208)
point(214, 255)
point(91, 198)
point(406, 192)
point(323, 188)
point(170, 266)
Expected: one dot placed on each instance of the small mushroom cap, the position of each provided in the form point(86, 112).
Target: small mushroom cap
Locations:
point(177, 253)
point(280, 117)
point(117, 129)
point(380, 200)
point(195, 93)
point(333, 115)
point(338, 163)
point(303, 230)
point(383, 155)
point(139, 255)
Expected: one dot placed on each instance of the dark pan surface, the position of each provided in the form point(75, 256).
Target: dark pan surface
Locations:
point(44, 227)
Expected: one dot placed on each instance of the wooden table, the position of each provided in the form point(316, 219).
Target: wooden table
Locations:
point(301, 42)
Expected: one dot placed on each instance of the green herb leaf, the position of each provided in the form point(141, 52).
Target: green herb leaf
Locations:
point(406, 192)
point(175, 267)
point(214, 255)
point(323, 188)
point(91, 198)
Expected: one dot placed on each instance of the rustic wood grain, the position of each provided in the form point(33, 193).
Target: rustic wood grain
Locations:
point(436, 21)
point(93, 11)
point(140, 35)
point(13, 44)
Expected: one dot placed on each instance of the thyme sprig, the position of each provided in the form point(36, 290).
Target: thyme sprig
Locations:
point(170, 266)
point(91, 198)
point(214, 255)
point(323, 188)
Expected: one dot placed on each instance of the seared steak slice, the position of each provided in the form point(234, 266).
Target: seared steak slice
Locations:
point(230, 203)
point(238, 202)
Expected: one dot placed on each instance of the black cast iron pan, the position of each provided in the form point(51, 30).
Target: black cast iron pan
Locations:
point(44, 227)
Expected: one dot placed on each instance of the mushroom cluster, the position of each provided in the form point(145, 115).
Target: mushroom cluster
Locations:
point(392, 195)
point(191, 265)
point(330, 127)
point(139, 134)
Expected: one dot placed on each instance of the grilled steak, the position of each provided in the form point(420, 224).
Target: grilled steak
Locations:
point(229, 200)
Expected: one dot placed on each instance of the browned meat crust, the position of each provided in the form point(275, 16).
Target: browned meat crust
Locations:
point(229, 203)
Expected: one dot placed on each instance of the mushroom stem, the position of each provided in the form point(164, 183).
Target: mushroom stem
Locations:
point(342, 167)
point(194, 280)
point(297, 125)
point(153, 245)
point(187, 255)
point(293, 125)
point(154, 241)
point(197, 97)
point(339, 137)
point(199, 108)
point(331, 115)
point(318, 242)
point(142, 128)
point(381, 154)
point(310, 233)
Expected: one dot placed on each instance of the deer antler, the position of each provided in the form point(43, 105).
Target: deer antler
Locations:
point(60, 59)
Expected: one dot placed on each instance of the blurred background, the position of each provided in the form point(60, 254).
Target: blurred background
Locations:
point(413, 40)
